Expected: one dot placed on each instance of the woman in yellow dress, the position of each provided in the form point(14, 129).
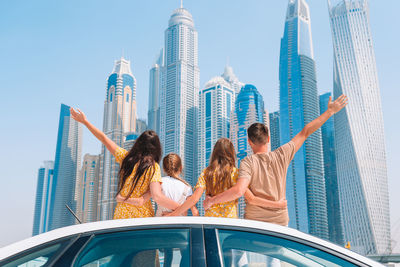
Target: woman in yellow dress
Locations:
point(139, 172)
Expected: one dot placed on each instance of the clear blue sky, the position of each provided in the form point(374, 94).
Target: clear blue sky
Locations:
point(54, 52)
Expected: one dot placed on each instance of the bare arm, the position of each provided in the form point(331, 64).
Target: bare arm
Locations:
point(262, 202)
point(79, 116)
point(159, 197)
point(195, 211)
point(333, 107)
point(189, 203)
point(232, 193)
point(139, 201)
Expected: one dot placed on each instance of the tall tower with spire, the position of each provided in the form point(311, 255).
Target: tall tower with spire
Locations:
point(180, 91)
point(119, 120)
point(299, 105)
point(359, 131)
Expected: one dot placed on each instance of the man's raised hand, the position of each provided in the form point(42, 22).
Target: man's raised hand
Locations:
point(338, 104)
point(78, 115)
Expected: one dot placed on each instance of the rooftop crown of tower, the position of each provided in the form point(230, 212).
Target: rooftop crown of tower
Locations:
point(122, 66)
point(298, 8)
point(181, 15)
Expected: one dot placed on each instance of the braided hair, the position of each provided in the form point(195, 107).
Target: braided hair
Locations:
point(172, 165)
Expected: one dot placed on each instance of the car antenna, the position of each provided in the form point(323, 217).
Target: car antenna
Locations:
point(73, 213)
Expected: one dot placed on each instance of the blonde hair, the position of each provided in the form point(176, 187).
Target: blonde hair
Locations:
point(172, 165)
point(222, 163)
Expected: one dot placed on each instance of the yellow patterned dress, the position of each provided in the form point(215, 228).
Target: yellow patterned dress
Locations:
point(226, 209)
point(124, 210)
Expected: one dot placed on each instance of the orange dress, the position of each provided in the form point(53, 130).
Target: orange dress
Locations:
point(126, 211)
point(226, 209)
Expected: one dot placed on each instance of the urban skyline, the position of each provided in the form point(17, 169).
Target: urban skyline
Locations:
point(299, 105)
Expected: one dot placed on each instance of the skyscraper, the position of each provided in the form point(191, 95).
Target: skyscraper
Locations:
point(181, 90)
point(43, 198)
point(231, 78)
point(87, 189)
point(66, 170)
point(216, 101)
point(332, 191)
point(155, 85)
point(249, 108)
point(119, 119)
point(299, 105)
point(274, 130)
point(359, 131)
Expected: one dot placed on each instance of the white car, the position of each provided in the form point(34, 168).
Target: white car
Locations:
point(178, 241)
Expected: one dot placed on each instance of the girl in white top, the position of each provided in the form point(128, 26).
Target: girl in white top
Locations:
point(172, 186)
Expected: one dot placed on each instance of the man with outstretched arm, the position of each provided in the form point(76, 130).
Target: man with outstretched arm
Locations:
point(264, 172)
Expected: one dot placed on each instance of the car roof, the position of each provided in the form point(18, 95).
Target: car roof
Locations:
point(31, 242)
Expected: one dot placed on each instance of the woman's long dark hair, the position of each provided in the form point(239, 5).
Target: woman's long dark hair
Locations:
point(145, 153)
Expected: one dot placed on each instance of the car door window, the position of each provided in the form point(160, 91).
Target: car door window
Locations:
point(152, 247)
point(38, 256)
point(240, 249)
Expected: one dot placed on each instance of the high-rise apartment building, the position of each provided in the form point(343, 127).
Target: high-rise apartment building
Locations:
point(216, 101)
point(231, 78)
point(87, 189)
point(332, 190)
point(179, 94)
point(43, 198)
point(299, 105)
point(274, 136)
point(155, 86)
point(66, 170)
point(249, 108)
point(359, 131)
point(119, 119)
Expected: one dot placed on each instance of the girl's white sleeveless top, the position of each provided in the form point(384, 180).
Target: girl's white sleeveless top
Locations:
point(175, 190)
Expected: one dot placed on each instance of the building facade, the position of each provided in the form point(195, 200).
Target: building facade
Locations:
point(155, 86)
point(180, 91)
point(216, 101)
point(359, 131)
point(332, 190)
point(66, 170)
point(299, 105)
point(249, 108)
point(274, 134)
point(43, 198)
point(231, 78)
point(87, 189)
point(119, 119)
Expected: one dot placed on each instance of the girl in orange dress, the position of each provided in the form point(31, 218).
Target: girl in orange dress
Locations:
point(139, 174)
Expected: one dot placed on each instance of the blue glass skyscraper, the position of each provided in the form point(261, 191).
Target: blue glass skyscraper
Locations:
point(155, 85)
point(299, 105)
point(66, 170)
point(249, 108)
point(275, 138)
point(332, 190)
point(43, 198)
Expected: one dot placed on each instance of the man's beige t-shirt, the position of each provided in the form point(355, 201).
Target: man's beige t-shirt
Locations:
point(267, 175)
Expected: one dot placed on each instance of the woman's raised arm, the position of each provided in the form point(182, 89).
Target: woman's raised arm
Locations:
point(79, 116)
